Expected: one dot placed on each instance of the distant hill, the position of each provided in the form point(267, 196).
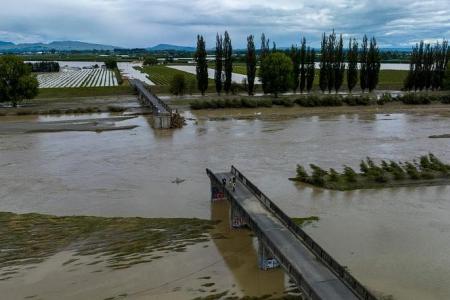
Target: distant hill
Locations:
point(167, 47)
point(57, 45)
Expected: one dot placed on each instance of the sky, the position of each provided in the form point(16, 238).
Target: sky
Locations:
point(144, 23)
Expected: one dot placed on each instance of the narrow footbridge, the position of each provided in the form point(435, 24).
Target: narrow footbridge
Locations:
point(162, 113)
point(283, 243)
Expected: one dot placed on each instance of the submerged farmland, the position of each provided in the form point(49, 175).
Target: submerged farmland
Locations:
point(81, 78)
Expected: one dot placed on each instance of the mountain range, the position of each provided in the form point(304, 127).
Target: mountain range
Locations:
point(57, 45)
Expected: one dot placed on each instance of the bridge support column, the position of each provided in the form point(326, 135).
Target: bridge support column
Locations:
point(217, 191)
point(266, 260)
point(237, 219)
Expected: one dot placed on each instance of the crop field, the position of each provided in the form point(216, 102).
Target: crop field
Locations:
point(162, 75)
point(82, 78)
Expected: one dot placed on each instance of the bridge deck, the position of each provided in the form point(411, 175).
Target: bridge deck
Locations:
point(324, 282)
point(139, 85)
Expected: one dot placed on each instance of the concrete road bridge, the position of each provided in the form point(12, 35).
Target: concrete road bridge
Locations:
point(162, 113)
point(283, 243)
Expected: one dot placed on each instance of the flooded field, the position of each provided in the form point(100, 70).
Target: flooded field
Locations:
point(394, 240)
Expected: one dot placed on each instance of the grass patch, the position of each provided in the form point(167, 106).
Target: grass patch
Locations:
point(429, 170)
point(305, 221)
point(122, 242)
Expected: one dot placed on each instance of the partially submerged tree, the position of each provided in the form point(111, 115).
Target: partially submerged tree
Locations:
point(251, 65)
point(16, 81)
point(202, 65)
point(276, 73)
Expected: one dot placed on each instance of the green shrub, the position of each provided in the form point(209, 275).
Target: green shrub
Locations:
point(416, 99)
point(318, 175)
point(302, 174)
point(349, 174)
point(411, 170)
point(178, 84)
point(445, 99)
point(334, 176)
point(265, 103)
point(356, 101)
point(249, 102)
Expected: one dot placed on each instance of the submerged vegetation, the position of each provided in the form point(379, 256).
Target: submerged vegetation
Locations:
point(118, 242)
point(429, 170)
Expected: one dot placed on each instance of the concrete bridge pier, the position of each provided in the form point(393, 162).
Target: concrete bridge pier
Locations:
point(266, 260)
point(217, 191)
point(237, 217)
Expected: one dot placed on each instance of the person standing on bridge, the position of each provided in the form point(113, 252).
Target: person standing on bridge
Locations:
point(234, 186)
point(224, 181)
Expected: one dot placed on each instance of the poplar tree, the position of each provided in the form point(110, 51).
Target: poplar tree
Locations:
point(339, 64)
point(251, 65)
point(201, 65)
point(363, 56)
point(352, 58)
point(219, 64)
point(373, 65)
point(303, 66)
point(228, 62)
point(264, 47)
point(310, 70)
point(295, 58)
point(331, 61)
point(323, 75)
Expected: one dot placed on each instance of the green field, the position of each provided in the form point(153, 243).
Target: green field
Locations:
point(162, 75)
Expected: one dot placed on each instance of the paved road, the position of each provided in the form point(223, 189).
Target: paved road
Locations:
point(324, 282)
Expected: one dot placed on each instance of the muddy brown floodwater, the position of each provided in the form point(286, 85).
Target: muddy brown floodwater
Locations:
point(394, 240)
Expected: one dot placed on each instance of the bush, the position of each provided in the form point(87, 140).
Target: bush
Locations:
point(350, 174)
point(416, 99)
point(318, 175)
point(385, 98)
point(334, 176)
point(178, 84)
point(445, 99)
point(265, 103)
point(302, 174)
point(356, 101)
point(250, 103)
point(411, 170)
point(111, 63)
point(150, 61)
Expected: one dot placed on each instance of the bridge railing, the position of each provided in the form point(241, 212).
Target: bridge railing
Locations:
point(298, 277)
point(327, 259)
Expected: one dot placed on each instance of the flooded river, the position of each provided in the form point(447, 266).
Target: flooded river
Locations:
point(394, 240)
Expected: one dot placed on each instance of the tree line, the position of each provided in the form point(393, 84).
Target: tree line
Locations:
point(427, 66)
point(44, 66)
point(293, 69)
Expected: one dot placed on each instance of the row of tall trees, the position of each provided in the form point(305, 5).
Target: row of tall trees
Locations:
point(362, 62)
point(428, 65)
point(333, 58)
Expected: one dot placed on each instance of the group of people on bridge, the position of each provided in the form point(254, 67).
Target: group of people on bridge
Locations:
point(231, 182)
